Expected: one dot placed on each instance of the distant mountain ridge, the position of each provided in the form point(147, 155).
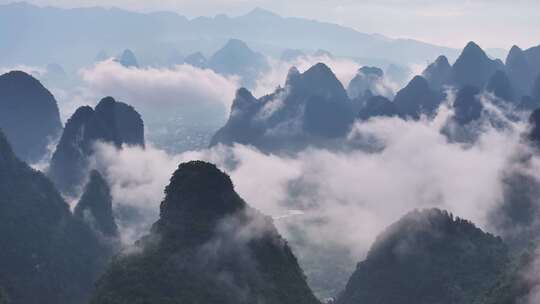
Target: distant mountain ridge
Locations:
point(93, 30)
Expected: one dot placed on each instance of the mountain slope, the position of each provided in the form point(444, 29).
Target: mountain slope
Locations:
point(428, 256)
point(48, 256)
point(313, 107)
point(208, 246)
point(95, 206)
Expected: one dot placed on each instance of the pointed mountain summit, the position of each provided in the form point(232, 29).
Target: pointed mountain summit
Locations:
point(112, 122)
point(261, 14)
point(312, 107)
point(499, 84)
point(45, 249)
point(95, 206)
point(208, 246)
point(319, 80)
point(519, 70)
point(29, 115)
point(431, 257)
point(236, 58)
point(417, 98)
point(474, 67)
point(128, 59)
point(439, 73)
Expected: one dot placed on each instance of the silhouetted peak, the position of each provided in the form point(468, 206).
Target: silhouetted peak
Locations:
point(243, 99)
point(261, 13)
point(292, 76)
point(20, 77)
point(474, 67)
point(442, 61)
point(81, 113)
point(128, 59)
point(236, 44)
point(473, 49)
point(200, 193)
point(95, 205)
point(515, 53)
point(105, 103)
point(438, 73)
point(320, 71)
point(319, 80)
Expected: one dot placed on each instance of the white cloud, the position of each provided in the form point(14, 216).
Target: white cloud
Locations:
point(154, 88)
point(357, 193)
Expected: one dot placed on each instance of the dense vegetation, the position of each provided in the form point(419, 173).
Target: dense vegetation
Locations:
point(207, 247)
point(47, 255)
point(431, 257)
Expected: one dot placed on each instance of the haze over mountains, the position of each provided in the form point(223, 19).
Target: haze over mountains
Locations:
point(157, 35)
point(334, 178)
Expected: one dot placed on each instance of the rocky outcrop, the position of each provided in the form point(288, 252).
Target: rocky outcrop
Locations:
point(111, 122)
point(48, 256)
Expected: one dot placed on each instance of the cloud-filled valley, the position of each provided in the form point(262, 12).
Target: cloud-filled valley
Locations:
point(208, 160)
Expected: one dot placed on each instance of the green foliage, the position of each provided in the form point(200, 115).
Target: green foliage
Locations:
point(430, 257)
point(47, 255)
point(207, 247)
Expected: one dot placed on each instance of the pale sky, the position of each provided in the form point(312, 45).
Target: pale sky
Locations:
point(491, 23)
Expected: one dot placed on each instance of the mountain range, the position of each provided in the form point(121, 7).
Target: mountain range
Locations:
point(156, 37)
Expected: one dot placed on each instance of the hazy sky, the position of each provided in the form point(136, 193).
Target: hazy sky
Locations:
point(492, 23)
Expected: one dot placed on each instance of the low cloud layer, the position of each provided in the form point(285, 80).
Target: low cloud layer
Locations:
point(153, 87)
point(353, 195)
